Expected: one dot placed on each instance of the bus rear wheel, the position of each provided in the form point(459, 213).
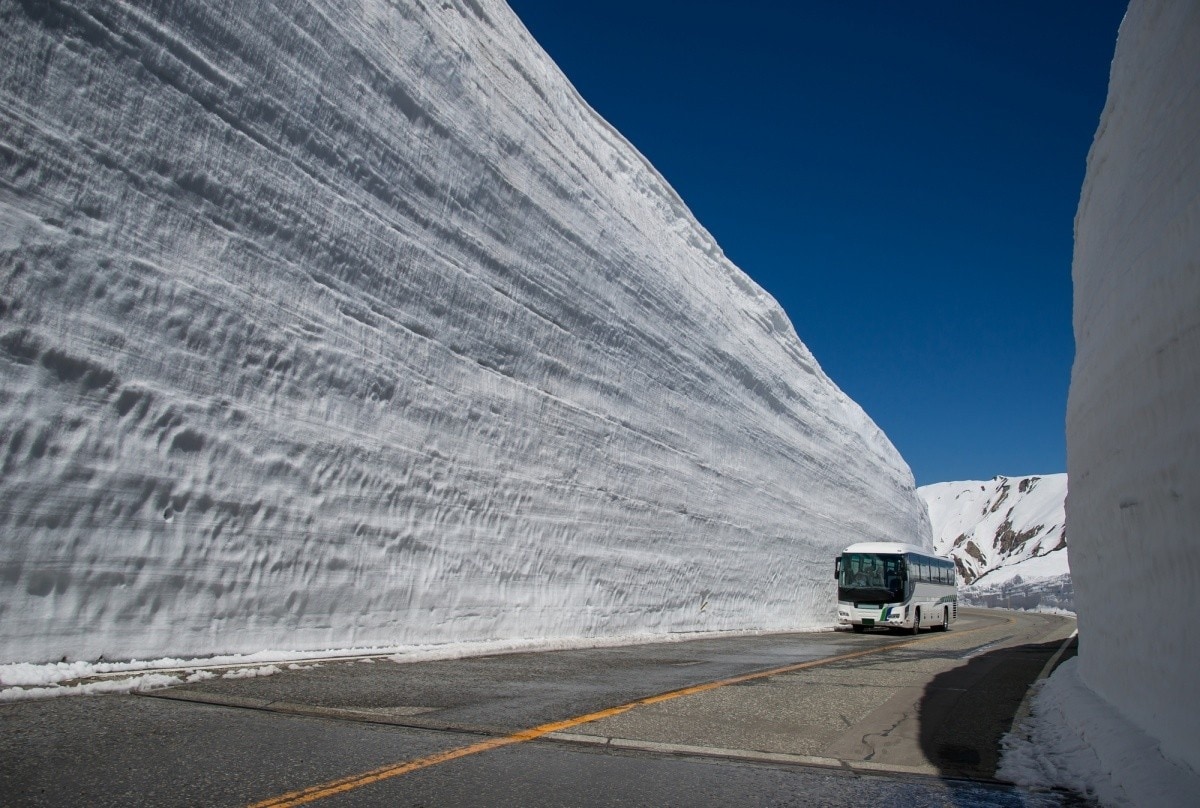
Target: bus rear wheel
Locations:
point(916, 626)
point(945, 626)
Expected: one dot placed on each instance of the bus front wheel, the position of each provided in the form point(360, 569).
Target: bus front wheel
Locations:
point(916, 626)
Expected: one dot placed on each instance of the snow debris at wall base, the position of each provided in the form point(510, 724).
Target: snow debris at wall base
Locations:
point(1078, 741)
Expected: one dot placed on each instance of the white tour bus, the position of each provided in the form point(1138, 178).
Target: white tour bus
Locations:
point(895, 585)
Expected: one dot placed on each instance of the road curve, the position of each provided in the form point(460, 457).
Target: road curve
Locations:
point(739, 719)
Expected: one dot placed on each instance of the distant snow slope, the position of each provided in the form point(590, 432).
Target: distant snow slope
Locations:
point(338, 324)
point(1008, 538)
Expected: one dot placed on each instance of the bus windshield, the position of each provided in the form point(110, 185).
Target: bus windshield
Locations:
point(871, 578)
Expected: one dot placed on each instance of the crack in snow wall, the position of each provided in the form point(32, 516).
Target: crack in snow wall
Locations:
point(1133, 420)
point(329, 325)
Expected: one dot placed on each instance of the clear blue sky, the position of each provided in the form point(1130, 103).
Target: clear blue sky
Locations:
point(902, 177)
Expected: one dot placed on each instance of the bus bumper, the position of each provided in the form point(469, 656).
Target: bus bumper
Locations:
point(891, 616)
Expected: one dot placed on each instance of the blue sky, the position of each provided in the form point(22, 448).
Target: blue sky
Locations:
point(902, 177)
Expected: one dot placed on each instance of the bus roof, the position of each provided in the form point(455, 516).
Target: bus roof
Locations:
point(890, 547)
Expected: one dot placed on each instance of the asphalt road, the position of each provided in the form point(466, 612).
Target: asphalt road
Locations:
point(798, 719)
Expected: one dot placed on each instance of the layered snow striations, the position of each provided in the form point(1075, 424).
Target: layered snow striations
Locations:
point(1008, 539)
point(345, 324)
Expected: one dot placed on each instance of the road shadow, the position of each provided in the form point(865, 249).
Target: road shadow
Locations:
point(965, 711)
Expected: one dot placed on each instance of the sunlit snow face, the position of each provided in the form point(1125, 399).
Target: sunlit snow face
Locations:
point(324, 331)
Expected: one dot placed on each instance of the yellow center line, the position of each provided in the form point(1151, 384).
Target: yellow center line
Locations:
point(354, 781)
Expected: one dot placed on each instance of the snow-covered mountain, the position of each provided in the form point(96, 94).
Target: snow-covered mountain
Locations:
point(331, 324)
point(1008, 538)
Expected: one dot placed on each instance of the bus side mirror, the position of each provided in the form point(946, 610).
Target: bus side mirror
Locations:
point(837, 568)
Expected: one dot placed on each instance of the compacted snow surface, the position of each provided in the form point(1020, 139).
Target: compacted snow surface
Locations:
point(1008, 539)
point(332, 325)
point(1077, 740)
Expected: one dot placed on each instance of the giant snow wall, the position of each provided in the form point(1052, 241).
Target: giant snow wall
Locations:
point(1133, 422)
point(332, 324)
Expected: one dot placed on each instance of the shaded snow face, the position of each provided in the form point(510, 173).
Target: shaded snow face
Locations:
point(343, 325)
point(1133, 420)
